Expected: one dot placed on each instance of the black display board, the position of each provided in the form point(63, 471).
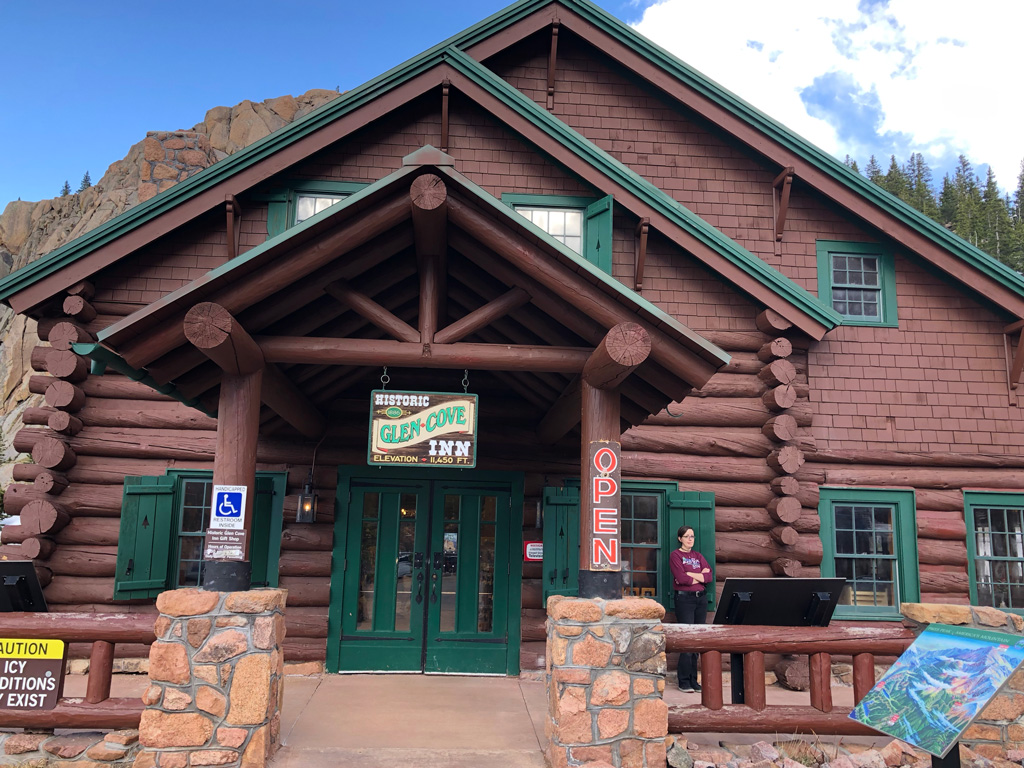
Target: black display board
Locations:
point(779, 602)
point(19, 587)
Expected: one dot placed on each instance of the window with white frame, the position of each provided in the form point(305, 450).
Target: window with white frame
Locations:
point(310, 204)
point(563, 224)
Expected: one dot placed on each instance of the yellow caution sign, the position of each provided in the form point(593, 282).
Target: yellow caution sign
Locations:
point(31, 649)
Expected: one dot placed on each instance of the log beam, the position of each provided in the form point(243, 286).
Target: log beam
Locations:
point(620, 352)
point(377, 314)
point(312, 350)
point(563, 415)
point(483, 316)
point(219, 336)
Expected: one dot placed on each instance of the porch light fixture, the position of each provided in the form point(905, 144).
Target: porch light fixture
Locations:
point(306, 512)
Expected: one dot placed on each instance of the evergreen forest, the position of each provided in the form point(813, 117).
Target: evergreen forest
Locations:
point(963, 203)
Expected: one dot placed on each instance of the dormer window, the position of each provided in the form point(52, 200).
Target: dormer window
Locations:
point(583, 224)
point(310, 204)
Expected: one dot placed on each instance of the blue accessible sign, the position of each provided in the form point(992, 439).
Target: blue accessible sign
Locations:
point(228, 508)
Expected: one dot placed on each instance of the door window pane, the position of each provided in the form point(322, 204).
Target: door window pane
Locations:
point(641, 544)
point(405, 584)
point(485, 587)
point(449, 575)
point(195, 507)
point(368, 560)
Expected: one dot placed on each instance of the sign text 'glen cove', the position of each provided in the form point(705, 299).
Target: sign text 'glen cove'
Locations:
point(436, 429)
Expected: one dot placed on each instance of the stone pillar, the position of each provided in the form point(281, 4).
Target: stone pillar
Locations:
point(216, 680)
point(605, 680)
point(998, 732)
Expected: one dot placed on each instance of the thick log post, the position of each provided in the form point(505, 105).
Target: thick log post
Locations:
point(711, 673)
point(863, 675)
point(753, 680)
point(428, 197)
point(238, 423)
point(600, 424)
point(101, 667)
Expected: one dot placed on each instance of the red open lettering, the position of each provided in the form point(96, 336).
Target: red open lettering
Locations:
point(610, 550)
point(606, 520)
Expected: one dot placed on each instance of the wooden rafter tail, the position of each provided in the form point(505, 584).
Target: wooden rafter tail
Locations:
point(552, 64)
point(233, 226)
point(781, 187)
point(640, 244)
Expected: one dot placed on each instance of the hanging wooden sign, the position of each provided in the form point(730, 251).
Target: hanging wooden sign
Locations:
point(435, 429)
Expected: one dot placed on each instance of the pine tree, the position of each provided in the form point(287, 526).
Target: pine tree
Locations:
point(948, 203)
point(851, 164)
point(967, 222)
point(86, 182)
point(919, 178)
point(66, 189)
point(895, 181)
point(995, 228)
point(873, 170)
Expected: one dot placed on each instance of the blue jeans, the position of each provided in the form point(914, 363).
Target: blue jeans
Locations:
point(691, 608)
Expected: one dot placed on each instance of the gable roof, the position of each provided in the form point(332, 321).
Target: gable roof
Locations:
point(246, 168)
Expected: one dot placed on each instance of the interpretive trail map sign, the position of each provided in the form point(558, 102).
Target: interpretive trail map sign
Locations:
point(939, 685)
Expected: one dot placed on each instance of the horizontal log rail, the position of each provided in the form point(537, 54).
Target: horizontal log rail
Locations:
point(103, 630)
point(752, 643)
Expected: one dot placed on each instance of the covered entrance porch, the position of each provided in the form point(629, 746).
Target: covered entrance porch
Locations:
point(426, 572)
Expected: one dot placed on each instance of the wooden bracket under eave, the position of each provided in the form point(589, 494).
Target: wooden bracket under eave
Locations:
point(234, 224)
point(445, 87)
point(552, 58)
point(780, 203)
point(1014, 359)
point(640, 251)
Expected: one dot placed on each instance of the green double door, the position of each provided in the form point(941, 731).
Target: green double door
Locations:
point(422, 578)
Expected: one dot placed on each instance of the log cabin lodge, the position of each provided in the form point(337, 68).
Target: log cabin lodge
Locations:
point(556, 235)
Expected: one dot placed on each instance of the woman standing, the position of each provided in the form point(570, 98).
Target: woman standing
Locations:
point(690, 572)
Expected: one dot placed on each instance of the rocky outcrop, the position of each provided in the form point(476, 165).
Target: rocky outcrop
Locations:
point(29, 230)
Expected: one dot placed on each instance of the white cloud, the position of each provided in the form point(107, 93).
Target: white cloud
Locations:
point(944, 73)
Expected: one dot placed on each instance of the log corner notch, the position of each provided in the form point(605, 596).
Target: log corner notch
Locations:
point(781, 188)
point(218, 335)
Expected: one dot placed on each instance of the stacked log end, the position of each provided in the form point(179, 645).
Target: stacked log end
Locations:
point(37, 495)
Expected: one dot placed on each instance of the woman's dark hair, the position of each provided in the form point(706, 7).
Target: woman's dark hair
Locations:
point(683, 529)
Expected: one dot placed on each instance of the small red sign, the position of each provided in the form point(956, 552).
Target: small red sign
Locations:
point(533, 551)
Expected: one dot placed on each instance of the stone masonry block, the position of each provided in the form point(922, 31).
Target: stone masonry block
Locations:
point(223, 646)
point(571, 609)
point(256, 601)
point(650, 718)
point(591, 652)
point(162, 730)
point(612, 722)
point(213, 757)
point(250, 690)
point(635, 608)
point(198, 629)
point(1004, 707)
point(168, 662)
point(610, 688)
point(187, 602)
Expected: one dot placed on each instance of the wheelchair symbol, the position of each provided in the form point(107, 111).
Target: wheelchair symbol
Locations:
point(230, 505)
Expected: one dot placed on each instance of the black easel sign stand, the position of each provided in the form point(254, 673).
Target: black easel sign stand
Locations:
point(775, 602)
point(19, 588)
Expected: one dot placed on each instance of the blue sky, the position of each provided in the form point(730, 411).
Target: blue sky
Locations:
point(83, 81)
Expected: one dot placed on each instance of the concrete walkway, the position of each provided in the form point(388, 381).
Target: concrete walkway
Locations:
point(373, 721)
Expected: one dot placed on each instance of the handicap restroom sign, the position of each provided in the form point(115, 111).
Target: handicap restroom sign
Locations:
point(228, 507)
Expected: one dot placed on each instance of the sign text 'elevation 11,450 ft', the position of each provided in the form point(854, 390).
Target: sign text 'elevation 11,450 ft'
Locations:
point(434, 429)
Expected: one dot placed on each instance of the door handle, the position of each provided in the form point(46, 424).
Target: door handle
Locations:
point(419, 587)
point(433, 587)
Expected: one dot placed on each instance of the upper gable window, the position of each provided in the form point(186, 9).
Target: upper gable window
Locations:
point(580, 223)
point(309, 204)
point(858, 280)
point(299, 199)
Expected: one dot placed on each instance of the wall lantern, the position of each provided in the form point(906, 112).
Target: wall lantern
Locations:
point(306, 512)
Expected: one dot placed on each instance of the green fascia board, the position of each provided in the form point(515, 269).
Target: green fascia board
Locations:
point(645, 190)
point(111, 359)
point(579, 263)
point(256, 152)
point(823, 161)
point(278, 242)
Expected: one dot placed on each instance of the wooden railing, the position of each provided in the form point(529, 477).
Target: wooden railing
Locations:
point(754, 715)
point(103, 630)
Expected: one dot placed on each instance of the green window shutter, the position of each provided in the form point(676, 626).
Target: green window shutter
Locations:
point(145, 544)
point(266, 530)
point(697, 510)
point(561, 542)
point(598, 232)
point(277, 217)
